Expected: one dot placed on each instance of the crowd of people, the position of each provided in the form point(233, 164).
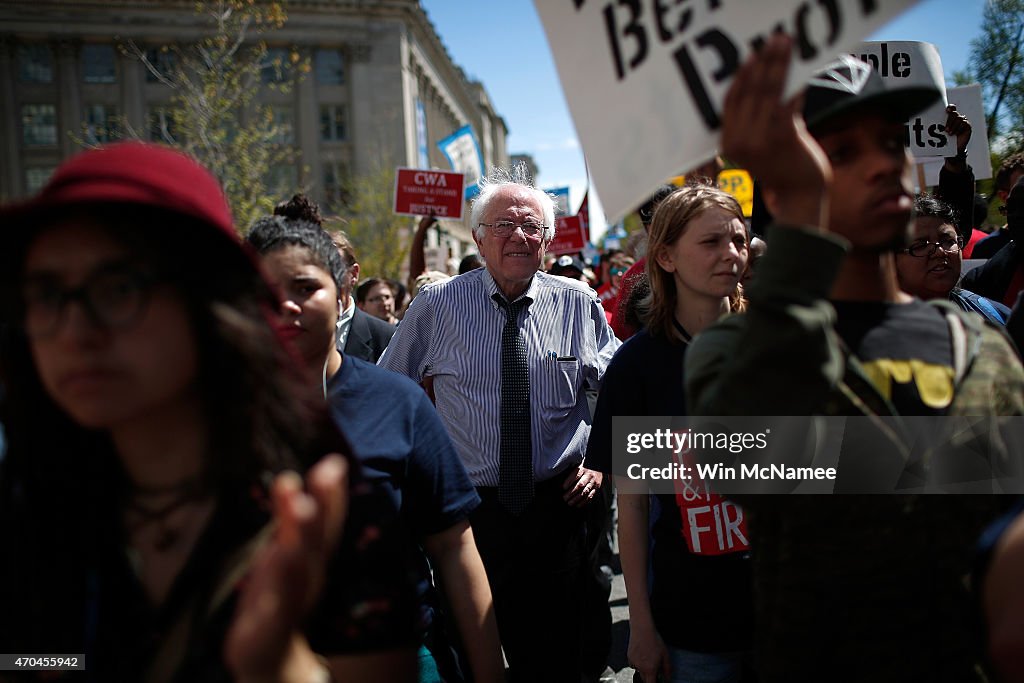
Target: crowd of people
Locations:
point(243, 459)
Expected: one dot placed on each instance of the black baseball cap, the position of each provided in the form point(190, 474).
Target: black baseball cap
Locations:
point(848, 84)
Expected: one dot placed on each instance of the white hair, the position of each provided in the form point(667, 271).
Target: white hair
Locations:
point(518, 175)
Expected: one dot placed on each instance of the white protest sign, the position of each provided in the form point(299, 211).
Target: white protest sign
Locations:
point(968, 101)
point(910, 64)
point(645, 78)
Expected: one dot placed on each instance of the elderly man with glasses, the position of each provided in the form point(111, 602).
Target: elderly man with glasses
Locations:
point(508, 353)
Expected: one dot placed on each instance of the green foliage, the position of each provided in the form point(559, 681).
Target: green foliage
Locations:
point(380, 238)
point(997, 62)
point(213, 111)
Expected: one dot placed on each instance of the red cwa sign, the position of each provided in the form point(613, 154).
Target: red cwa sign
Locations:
point(421, 192)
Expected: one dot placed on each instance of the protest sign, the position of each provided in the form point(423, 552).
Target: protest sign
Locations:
point(561, 197)
point(740, 185)
point(907, 64)
point(645, 79)
point(968, 101)
point(425, 193)
point(584, 215)
point(569, 236)
point(463, 154)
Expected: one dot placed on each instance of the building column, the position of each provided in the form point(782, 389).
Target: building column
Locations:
point(133, 80)
point(10, 161)
point(69, 108)
point(360, 107)
point(307, 129)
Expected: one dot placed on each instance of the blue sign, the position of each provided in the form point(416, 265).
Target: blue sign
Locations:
point(464, 155)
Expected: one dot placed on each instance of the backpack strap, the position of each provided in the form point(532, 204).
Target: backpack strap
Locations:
point(958, 339)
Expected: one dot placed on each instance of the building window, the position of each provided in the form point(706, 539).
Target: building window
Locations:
point(162, 127)
point(277, 67)
point(36, 177)
point(98, 64)
point(284, 118)
point(39, 124)
point(161, 59)
point(102, 123)
point(332, 122)
point(35, 63)
point(330, 67)
point(335, 193)
point(282, 180)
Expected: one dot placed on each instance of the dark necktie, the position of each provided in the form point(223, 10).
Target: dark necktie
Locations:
point(515, 469)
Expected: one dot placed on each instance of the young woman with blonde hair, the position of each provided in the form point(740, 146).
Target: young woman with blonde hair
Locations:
point(693, 621)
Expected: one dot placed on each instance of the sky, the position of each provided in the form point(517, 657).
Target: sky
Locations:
point(503, 45)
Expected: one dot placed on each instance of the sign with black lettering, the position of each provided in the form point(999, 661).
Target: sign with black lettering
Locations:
point(645, 79)
point(968, 101)
point(912, 63)
point(420, 192)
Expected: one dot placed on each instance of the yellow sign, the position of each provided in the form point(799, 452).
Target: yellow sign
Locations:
point(734, 181)
point(739, 184)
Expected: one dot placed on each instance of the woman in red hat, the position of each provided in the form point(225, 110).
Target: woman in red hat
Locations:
point(157, 529)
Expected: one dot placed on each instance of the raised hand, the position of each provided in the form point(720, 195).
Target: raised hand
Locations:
point(265, 642)
point(767, 137)
point(958, 126)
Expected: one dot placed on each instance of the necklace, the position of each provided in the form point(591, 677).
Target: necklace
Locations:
point(167, 535)
point(682, 331)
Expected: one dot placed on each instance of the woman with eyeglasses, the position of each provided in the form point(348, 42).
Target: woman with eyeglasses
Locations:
point(685, 557)
point(930, 267)
point(156, 528)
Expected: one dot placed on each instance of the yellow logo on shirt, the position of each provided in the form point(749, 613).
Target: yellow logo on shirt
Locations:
point(934, 382)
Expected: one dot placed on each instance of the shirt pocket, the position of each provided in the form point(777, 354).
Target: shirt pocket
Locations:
point(560, 387)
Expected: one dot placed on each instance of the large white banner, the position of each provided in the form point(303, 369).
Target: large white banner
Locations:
point(911, 63)
point(645, 79)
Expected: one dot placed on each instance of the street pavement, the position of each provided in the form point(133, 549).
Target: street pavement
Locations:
point(620, 628)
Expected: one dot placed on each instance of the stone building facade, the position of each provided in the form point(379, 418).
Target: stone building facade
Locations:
point(381, 92)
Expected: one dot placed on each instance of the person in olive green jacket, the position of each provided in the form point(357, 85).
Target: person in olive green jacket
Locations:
point(850, 587)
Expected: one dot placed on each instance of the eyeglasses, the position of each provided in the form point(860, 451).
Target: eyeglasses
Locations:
point(506, 228)
point(924, 248)
point(112, 297)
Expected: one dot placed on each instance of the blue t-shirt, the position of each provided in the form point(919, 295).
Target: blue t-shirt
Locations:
point(401, 443)
point(397, 436)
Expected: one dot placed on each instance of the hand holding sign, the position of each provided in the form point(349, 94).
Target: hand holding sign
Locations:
point(958, 126)
point(759, 128)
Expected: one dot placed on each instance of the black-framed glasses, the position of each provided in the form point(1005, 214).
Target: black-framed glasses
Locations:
point(506, 228)
point(113, 296)
point(924, 248)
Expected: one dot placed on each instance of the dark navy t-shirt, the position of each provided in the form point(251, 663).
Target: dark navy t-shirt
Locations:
point(396, 434)
point(701, 592)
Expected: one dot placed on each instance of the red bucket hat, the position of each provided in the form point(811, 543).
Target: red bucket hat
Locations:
point(127, 173)
point(130, 174)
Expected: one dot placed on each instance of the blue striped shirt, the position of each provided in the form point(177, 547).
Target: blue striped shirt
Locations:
point(452, 332)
